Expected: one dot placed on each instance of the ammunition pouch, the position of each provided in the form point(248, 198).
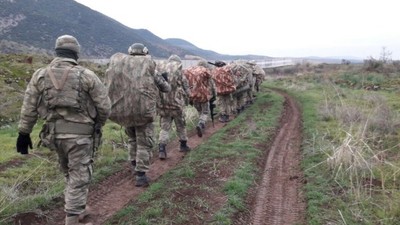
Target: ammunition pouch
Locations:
point(47, 136)
point(50, 129)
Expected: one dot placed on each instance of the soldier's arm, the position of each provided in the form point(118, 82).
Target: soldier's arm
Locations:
point(29, 113)
point(161, 83)
point(98, 93)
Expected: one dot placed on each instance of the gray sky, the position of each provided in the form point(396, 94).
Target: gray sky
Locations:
point(278, 28)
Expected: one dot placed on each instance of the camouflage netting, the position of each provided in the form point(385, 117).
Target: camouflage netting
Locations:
point(132, 90)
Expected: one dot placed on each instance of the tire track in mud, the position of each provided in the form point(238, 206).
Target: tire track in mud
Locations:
point(279, 198)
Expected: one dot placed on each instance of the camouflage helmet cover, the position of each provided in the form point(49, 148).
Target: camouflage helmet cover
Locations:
point(68, 42)
point(138, 49)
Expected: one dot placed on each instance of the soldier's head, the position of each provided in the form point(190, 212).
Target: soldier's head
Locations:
point(68, 42)
point(174, 58)
point(138, 49)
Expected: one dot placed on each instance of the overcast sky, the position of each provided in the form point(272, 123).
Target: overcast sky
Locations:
point(278, 28)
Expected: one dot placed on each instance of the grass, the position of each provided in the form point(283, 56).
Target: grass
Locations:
point(350, 147)
point(222, 167)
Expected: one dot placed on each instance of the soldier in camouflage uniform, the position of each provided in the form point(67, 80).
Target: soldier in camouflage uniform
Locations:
point(241, 74)
point(141, 69)
point(171, 105)
point(74, 104)
point(259, 74)
point(225, 86)
point(202, 88)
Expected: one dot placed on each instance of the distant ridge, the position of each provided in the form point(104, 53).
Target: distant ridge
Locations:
point(34, 25)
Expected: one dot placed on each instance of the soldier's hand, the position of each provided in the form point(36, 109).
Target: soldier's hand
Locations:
point(165, 76)
point(23, 142)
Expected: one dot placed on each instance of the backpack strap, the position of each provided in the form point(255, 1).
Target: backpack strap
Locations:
point(58, 86)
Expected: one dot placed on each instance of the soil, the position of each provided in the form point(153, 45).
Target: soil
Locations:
point(277, 198)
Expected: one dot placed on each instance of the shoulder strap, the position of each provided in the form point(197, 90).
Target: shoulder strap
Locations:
point(58, 86)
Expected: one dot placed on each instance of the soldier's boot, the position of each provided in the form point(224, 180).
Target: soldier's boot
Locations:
point(184, 147)
point(87, 212)
point(74, 220)
point(226, 118)
point(162, 152)
point(142, 180)
point(133, 162)
point(199, 130)
point(222, 118)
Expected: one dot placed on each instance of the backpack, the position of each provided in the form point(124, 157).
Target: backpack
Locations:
point(132, 90)
point(174, 99)
point(199, 83)
point(224, 80)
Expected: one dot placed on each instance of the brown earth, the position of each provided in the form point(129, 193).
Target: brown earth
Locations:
point(277, 198)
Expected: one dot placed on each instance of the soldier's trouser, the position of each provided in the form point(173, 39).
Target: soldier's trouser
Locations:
point(75, 158)
point(203, 110)
point(140, 145)
point(166, 119)
point(225, 103)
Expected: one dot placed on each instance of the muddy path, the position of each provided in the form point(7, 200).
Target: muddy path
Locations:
point(279, 198)
point(276, 200)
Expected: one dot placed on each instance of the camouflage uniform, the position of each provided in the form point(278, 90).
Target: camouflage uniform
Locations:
point(225, 86)
point(205, 82)
point(138, 120)
point(241, 74)
point(71, 108)
point(259, 75)
point(170, 105)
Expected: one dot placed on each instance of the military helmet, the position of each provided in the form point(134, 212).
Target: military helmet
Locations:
point(175, 58)
point(68, 42)
point(138, 49)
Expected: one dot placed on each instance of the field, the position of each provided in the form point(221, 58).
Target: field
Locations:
point(319, 146)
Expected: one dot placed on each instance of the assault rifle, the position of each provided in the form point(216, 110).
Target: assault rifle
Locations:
point(218, 63)
point(212, 107)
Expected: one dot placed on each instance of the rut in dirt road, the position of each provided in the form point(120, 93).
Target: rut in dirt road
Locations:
point(279, 198)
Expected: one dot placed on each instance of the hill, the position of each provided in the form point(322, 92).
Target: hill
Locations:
point(31, 26)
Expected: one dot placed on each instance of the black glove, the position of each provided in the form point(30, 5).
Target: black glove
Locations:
point(23, 142)
point(165, 76)
point(191, 102)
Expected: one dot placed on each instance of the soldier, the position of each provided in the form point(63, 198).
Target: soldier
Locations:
point(170, 105)
point(241, 74)
point(202, 91)
point(225, 86)
point(133, 86)
point(74, 104)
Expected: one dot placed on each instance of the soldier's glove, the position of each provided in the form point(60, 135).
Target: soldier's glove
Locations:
point(191, 102)
point(23, 142)
point(165, 76)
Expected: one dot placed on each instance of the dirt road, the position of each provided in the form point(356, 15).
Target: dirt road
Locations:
point(278, 197)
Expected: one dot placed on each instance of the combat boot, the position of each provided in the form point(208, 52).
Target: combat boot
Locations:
point(142, 180)
point(222, 118)
point(87, 212)
point(162, 152)
point(184, 147)
point(226, 118)
point(74, 220)
point(200, 129)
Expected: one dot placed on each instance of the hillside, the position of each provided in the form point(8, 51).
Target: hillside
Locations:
point(31, 25)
